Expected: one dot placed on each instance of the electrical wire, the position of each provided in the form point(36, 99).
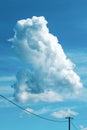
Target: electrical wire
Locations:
point(22, 108)
point(74, 125)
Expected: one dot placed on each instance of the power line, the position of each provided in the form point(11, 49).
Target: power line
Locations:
point(74, 126)
point(22, 108)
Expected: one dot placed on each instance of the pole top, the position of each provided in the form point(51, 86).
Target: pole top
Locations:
point(69, 117)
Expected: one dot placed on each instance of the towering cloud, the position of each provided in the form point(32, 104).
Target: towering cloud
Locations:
point(50, 73)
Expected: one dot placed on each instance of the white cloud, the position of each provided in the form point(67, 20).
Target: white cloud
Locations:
point(39, 112)
point(35, 111)
point(42, 111)
point(83, 128)
point(30, 110)
point(46, 96)
point(64, 113)
point(52, 74)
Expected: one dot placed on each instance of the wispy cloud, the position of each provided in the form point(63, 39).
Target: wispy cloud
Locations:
point(64, 113)
point(7, 78)
point(39, 112)
point(6, 90)
point(83, 128)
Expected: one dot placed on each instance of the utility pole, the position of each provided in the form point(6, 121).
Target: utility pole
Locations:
point(69, 122)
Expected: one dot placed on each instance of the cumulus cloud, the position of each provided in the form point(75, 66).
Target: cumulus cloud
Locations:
point(50, 73)
point(64, 113)
point(46, 96)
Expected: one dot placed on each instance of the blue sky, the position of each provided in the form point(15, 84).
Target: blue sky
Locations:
point(67, 20)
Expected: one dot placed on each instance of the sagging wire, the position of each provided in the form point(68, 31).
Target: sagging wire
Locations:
point(22, 108)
